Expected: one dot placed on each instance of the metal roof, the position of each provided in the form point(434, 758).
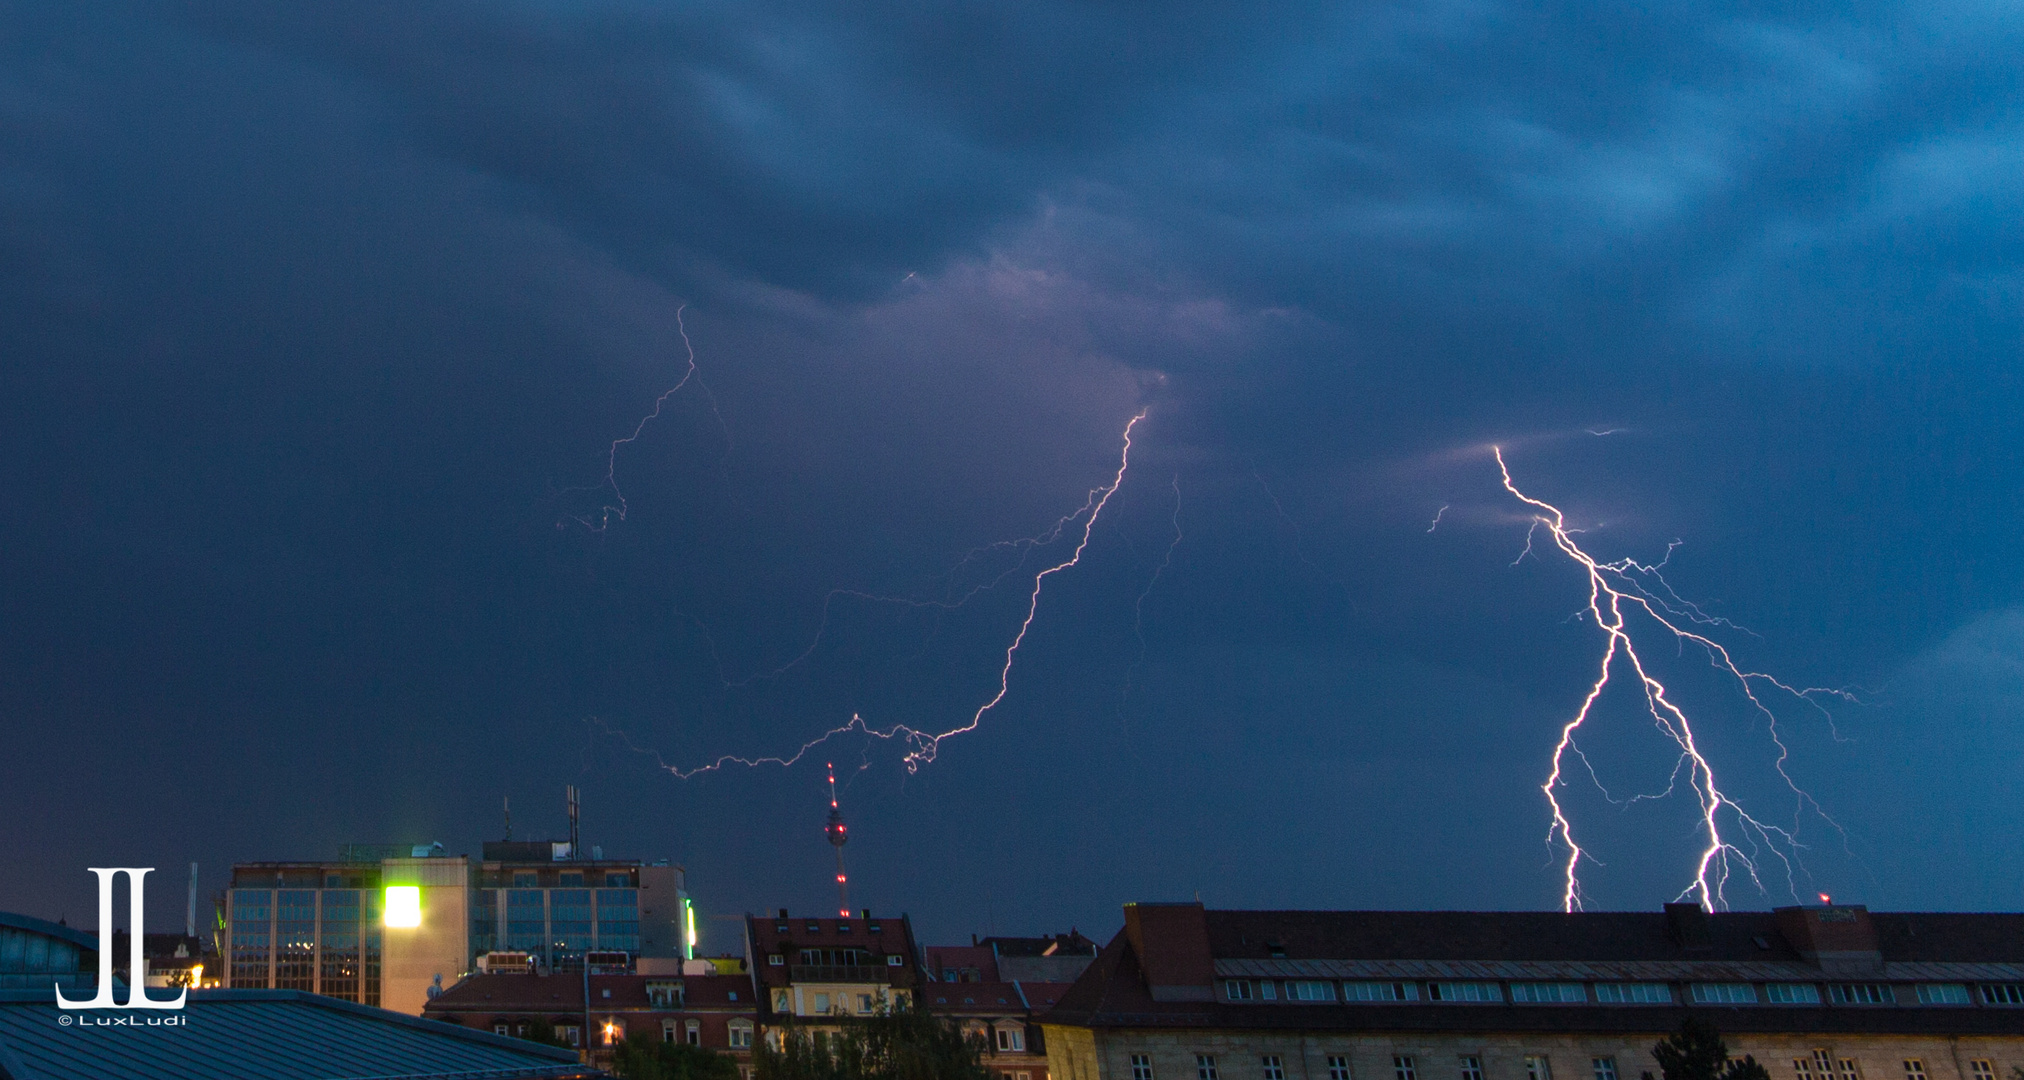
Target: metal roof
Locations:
point(71, 934)
point(1628, 970)
point(268, 1034)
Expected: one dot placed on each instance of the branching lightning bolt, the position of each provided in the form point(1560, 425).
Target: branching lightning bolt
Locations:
point(922, 745)
point(600, 519)
point(1617, 590)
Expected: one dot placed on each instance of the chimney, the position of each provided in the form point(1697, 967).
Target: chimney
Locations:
point(1839, 938)
point(1689, 927)
point(783, 913)
point(1172, 945)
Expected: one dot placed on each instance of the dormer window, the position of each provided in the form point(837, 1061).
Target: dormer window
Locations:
point(814, 927)
point(842, 927)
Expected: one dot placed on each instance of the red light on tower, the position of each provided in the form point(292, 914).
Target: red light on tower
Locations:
point(839, 835)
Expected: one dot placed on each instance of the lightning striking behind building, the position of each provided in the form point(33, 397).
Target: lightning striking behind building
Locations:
point(1623, 595)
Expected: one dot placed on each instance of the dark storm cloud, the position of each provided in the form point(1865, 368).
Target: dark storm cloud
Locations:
point(319, 321)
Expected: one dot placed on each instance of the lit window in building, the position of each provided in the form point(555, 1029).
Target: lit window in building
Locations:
point(1205, 1067)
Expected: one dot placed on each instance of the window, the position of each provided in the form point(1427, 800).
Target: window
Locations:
point(1823, 1065)
point(893, 960)
point(1943, 994)
point(1982, 1069)
point(1379, 991)
point(1012, 1039)
point(1802, 1069)
point(1634, 993)
point(1338, 1067)
point(1605, 1068)
point(1724, 994)
point(526, 881)
point(1563, 993)
point(667, 1031)
point(775, 959)
point(695, 1033)
point(1142, 1067)
point(741, 1035)
point(1861, 994)
point(1537, 1068)
point(1915, 1069)
point(1237, 989)
point(814, 927)
point(2003, 993)
point(1402, 1067)
point(499, 1028)
point(1267, 989)
point(1792, 993)
point(1205, 1067)
point(1272, 1068)
point(871, 928)
point(572, 1035)
point(1309, 990)
point(1472, 1067)
point(822, 1003)
point(570, 879)
point(1464, 991)
point(864, 1003)
point(780, 1002)
point(1849, 1071)
point(843, 928)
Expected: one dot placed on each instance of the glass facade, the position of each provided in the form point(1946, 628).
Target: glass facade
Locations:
point(295, 939)
point(252, 936)
point(569, 925)
point(618, 919)
point(484, 920)
point(527, 921)
point(338, 964)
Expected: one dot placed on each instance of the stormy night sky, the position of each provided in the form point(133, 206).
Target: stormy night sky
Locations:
point(317, 324)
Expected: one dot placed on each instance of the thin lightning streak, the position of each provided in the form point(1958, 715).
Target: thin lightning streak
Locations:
point(1138, 606)
point(604, 514)
point(922, 746)
point(1613, 590)
point(1436, 523)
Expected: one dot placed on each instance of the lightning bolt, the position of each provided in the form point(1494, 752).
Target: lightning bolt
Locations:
point(1616, 591)
point(922, 745)
point(600, 519)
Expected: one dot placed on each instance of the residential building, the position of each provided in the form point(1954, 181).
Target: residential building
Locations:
point(990, 989)
point(811, 969)
point(717, 1012)
point(1813, 993)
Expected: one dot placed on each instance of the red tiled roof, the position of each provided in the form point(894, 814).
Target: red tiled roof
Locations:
point(506, 993)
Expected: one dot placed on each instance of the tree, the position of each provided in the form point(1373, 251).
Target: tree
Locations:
point(541, 1031)
point(903, 1044)
point(644, 1057)
point(1698, 1053)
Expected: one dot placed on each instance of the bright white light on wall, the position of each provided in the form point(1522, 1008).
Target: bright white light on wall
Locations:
point(404, 906)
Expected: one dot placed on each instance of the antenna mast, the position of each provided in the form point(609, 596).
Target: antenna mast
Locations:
point(838, 836)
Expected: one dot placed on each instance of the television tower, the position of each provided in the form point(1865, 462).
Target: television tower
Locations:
point(838, 836)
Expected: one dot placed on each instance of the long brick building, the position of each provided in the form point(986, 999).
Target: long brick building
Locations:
point(1814, 993)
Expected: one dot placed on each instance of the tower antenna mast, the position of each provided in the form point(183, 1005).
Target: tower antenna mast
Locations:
point(838, 836)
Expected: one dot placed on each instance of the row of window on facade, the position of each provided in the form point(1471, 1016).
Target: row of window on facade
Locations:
point(839, 958)
point(287, 940)
point(825, 1003)
point(1819, 1066)
point(613, 1032)
point(561, 921)
point(1623, 993)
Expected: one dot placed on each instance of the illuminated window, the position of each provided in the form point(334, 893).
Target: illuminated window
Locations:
point(1537, 1067)
point(1402, 1068)
point(1472, 1067)
point(1605, 1068)
point(572, 1035)
point(1272, 1068)
point(1634, 993)
point(1338, 1067)
point(1205, 1067)
point(1141, 1067)
point(1915, 1069)
point(1237, 989)
point(1943, 994)
point(1792, 993)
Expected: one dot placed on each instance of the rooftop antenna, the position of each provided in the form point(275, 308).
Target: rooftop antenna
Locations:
point(838, 836)
point(575, 807)
point(190, 912)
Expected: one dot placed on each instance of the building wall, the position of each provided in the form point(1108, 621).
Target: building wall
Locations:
point(435, 953)
point(1083, 1054)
